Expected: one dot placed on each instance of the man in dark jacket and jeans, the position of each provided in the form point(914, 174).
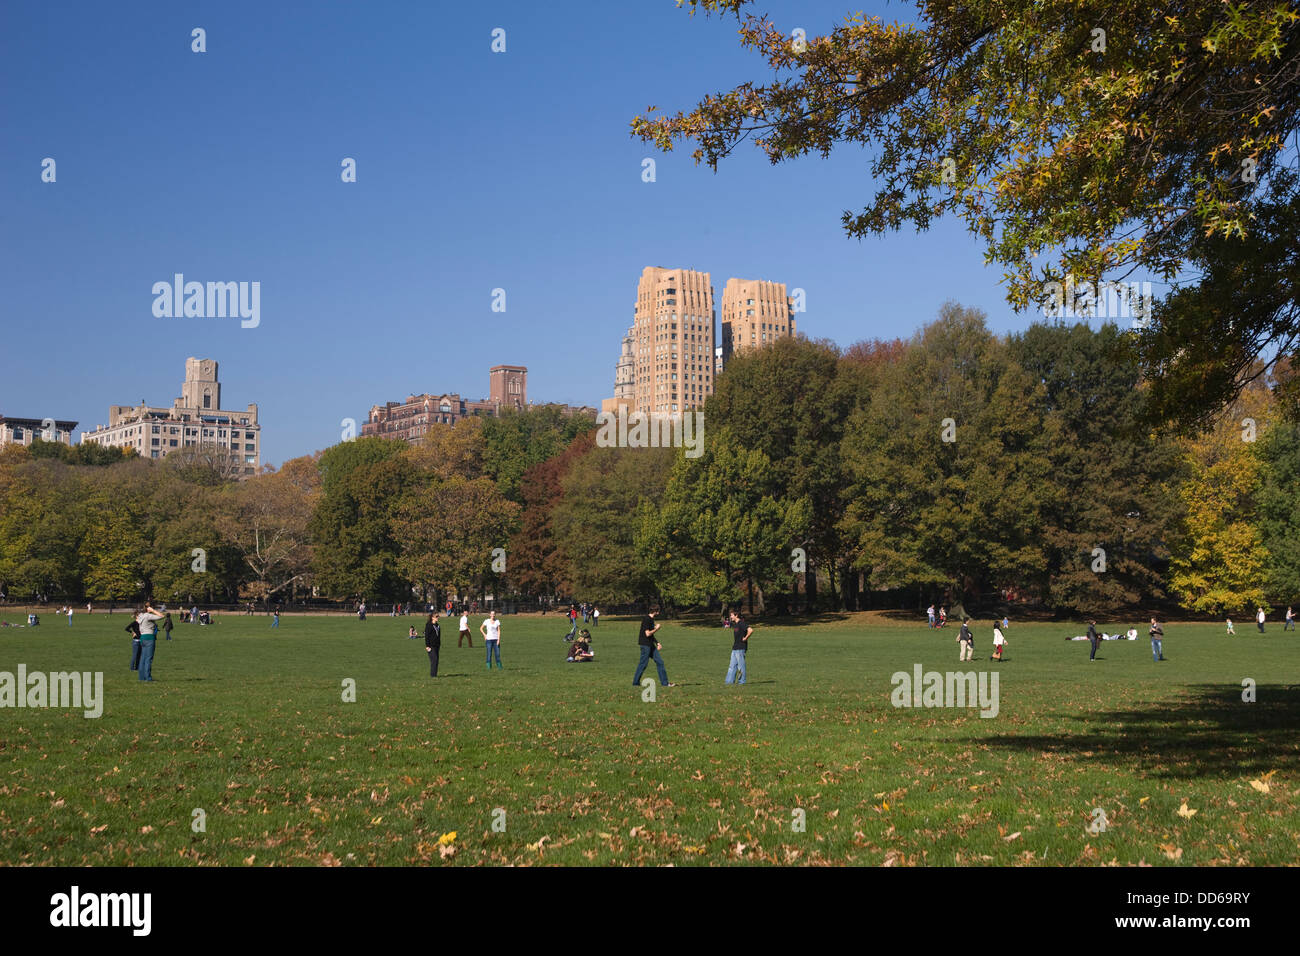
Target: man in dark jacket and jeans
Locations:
point(1157, 641)
point(1093, 639)
point(433, 642)
point(650, 648)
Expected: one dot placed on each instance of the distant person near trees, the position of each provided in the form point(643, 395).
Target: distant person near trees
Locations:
point(999, 641)
point(965, 641)
point(465, 635)
point(1290, 621)
point(1259, 619)
point(1157, 634)
point(1094, 639)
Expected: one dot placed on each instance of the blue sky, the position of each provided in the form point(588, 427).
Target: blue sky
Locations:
point(475, 171)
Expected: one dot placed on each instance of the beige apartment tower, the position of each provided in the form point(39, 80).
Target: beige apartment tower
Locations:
point(672, 345)
point(754, 313)
point(196, 418)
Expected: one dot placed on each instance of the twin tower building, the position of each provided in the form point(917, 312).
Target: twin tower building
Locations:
point(672, 354)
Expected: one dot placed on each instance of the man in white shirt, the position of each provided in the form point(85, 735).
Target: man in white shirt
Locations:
point(491, 631)
point(1259, 619)
point(465, 635)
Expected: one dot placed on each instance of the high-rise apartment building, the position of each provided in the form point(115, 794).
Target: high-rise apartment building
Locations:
point(672, 341)
point(196, 418)
point(754, 313)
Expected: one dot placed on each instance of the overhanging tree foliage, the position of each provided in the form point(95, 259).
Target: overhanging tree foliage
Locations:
point(1094, 139)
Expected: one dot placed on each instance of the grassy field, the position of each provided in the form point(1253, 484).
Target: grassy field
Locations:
point(249, 726)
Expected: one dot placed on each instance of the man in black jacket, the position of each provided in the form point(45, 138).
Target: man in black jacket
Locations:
point(965, 641)
point(1093, 639)
point(650, 648)
point(433, 642)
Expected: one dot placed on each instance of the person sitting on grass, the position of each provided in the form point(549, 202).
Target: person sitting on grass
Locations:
point(580, 650)
point(411, 635)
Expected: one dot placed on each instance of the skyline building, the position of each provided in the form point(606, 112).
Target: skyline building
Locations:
point(673, 341)
point(411, 420)
point(196, 418)
point(754, 313)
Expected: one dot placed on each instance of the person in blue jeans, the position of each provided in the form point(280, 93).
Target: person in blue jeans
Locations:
point(1157, 641)
point(739, 644)
point(491, 631)
point(275, 618)
point(650, 648)
point(148, 621)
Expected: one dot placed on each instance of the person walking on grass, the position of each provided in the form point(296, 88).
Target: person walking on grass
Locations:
point(650, 648)
point(1157, 634)
point(1259, 619)
point(275, 618)
point(432, 642)
point(491, 631)
point(1230, 630)
point(965, 641)
point(465, 635)
point(929, 615)
point(1094, 639)
point(167, 625)
point(999, 641)
point(1288, 626)
point(741, 632)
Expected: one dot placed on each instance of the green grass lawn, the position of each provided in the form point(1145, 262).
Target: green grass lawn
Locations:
point(249, 725)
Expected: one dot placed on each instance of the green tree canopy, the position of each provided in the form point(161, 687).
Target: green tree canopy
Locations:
point(1092, 139)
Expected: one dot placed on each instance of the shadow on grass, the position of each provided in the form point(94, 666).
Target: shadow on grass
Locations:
point(1210, 732)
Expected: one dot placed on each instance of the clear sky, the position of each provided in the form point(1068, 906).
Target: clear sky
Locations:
point(475, 170)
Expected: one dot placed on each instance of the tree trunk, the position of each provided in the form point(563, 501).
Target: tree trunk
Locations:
point(849, 577)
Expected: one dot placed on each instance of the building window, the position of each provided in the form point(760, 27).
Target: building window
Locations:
point(207, 399)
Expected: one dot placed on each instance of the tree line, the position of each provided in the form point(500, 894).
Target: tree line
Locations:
point(958, 466)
